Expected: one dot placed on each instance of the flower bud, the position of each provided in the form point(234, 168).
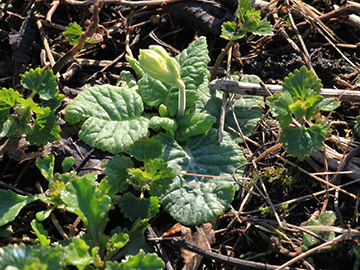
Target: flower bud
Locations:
point(158, 64)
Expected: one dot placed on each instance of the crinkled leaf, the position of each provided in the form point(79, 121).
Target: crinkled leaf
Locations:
point(146, 149)
point(152, 91)
point(193, 124)
point(42, 234)
point(26, 257)
point(42, 81)
point(45, 128)
point(126, 79)
point(197, 199)
point(328, 104)
point(136, 66)
point(112, 117)
point(116, 171)
point(72, 33)
point(11, 204)
point(302, 141)
point(141, 261)
point(301, 84)
point(229, 31)
point(263, 28)
point(78, 254)
point(139, 208)
point(46, 166)
point(82, 198)
point(157, 123)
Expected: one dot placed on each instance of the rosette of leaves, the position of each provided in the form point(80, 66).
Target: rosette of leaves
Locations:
point(35, 116)
point(301, 101)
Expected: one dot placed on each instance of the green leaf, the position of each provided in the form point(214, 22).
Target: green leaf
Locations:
point(42, 81)
point(263, 28)
point(229, 31)
point(193, 124)
point(302, 141)
point(67, 163)
point(197, 199)
point(116, 242)
point(146, 149)
point(139, 208)
point(78, 254)
point(301, 84)
point(52, 103)
point(135, 65)
point(136, 239)
point(279, 106)
point(11, 204)
point(161, 176)
point(45, 128)
point(157, 123)
point(42, 215)
point(46, 166)
point(82, 198)
point(8, 99)
point(126, 79)
point(328, 104)
point(141, 261)
point(28, 257)
point(152, 91)
point(116, 171)
point(72, 33)
point(40, 233)
point(6, 231)
point(112, 117)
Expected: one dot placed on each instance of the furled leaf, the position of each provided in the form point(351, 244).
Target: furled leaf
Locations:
point(82, 198)
point(72, 33)
point(193, 124)
point(29, 257)
point(112, 117)
point(11, 204)
point(302, 141)
point(116, 171)
point(42, 81)
point(157, 123)
point(146, 149)
point(136, 66)
point(229, 31)
point(141, 261)
point(40, 233)
point(139, 208)
point(301, 84)
point(78, 254)
point(197, 199)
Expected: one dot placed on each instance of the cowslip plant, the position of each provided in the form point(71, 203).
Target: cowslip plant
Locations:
point(116, 119)
point(301, 100)
point(36, 119)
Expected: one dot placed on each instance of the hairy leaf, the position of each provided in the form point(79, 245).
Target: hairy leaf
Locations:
point(197, 199)
point(112, 117)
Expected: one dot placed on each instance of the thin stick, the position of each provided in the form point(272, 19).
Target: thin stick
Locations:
point(255, 89)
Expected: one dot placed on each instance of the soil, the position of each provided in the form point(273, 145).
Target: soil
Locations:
point(177, 25)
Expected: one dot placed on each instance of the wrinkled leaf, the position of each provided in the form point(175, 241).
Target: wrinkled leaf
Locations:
point(112, 117)
point(146, 149)
point(157, 123)
point(191, 199)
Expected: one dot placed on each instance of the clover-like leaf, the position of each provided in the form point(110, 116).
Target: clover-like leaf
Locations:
point(42, 81)
point(82, 198)
point(11, 204)
point(112, 117)
point(302, 141)
point(301, 84)
point(146, 149)
point(193, 124)
point(196, 199)
point(139, 208)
